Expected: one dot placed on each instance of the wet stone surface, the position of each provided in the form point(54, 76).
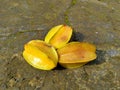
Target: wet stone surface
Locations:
point(94, 21)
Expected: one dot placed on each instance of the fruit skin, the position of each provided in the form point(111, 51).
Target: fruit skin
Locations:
point(59, 35)
point(40, 55)
point(72, 65)
point(76, 54)
point(55, 49)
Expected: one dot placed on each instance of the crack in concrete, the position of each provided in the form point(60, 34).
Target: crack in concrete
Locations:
point(16, 33)
point(73, 2)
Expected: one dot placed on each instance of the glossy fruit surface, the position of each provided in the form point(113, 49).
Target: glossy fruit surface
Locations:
point(76, 54)
point(40, 55)
point(59, 35)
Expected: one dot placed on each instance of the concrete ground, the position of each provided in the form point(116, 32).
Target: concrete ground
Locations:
point(94, 21)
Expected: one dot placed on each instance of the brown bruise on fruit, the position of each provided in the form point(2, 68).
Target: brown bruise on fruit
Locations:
point(52, 32)
point(60, 37)
point(77, 57)
point(76, 54)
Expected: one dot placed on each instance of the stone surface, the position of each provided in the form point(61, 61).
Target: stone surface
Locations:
point(94, 21)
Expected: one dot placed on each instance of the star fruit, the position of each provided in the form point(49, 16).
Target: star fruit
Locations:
point(45, 55)
point(59, 35)
point(76, 54)
point(40, 55)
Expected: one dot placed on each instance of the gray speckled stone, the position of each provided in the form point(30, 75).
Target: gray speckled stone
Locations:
point(94, 21)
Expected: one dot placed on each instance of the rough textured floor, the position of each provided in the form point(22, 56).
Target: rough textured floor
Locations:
point(94, 21)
